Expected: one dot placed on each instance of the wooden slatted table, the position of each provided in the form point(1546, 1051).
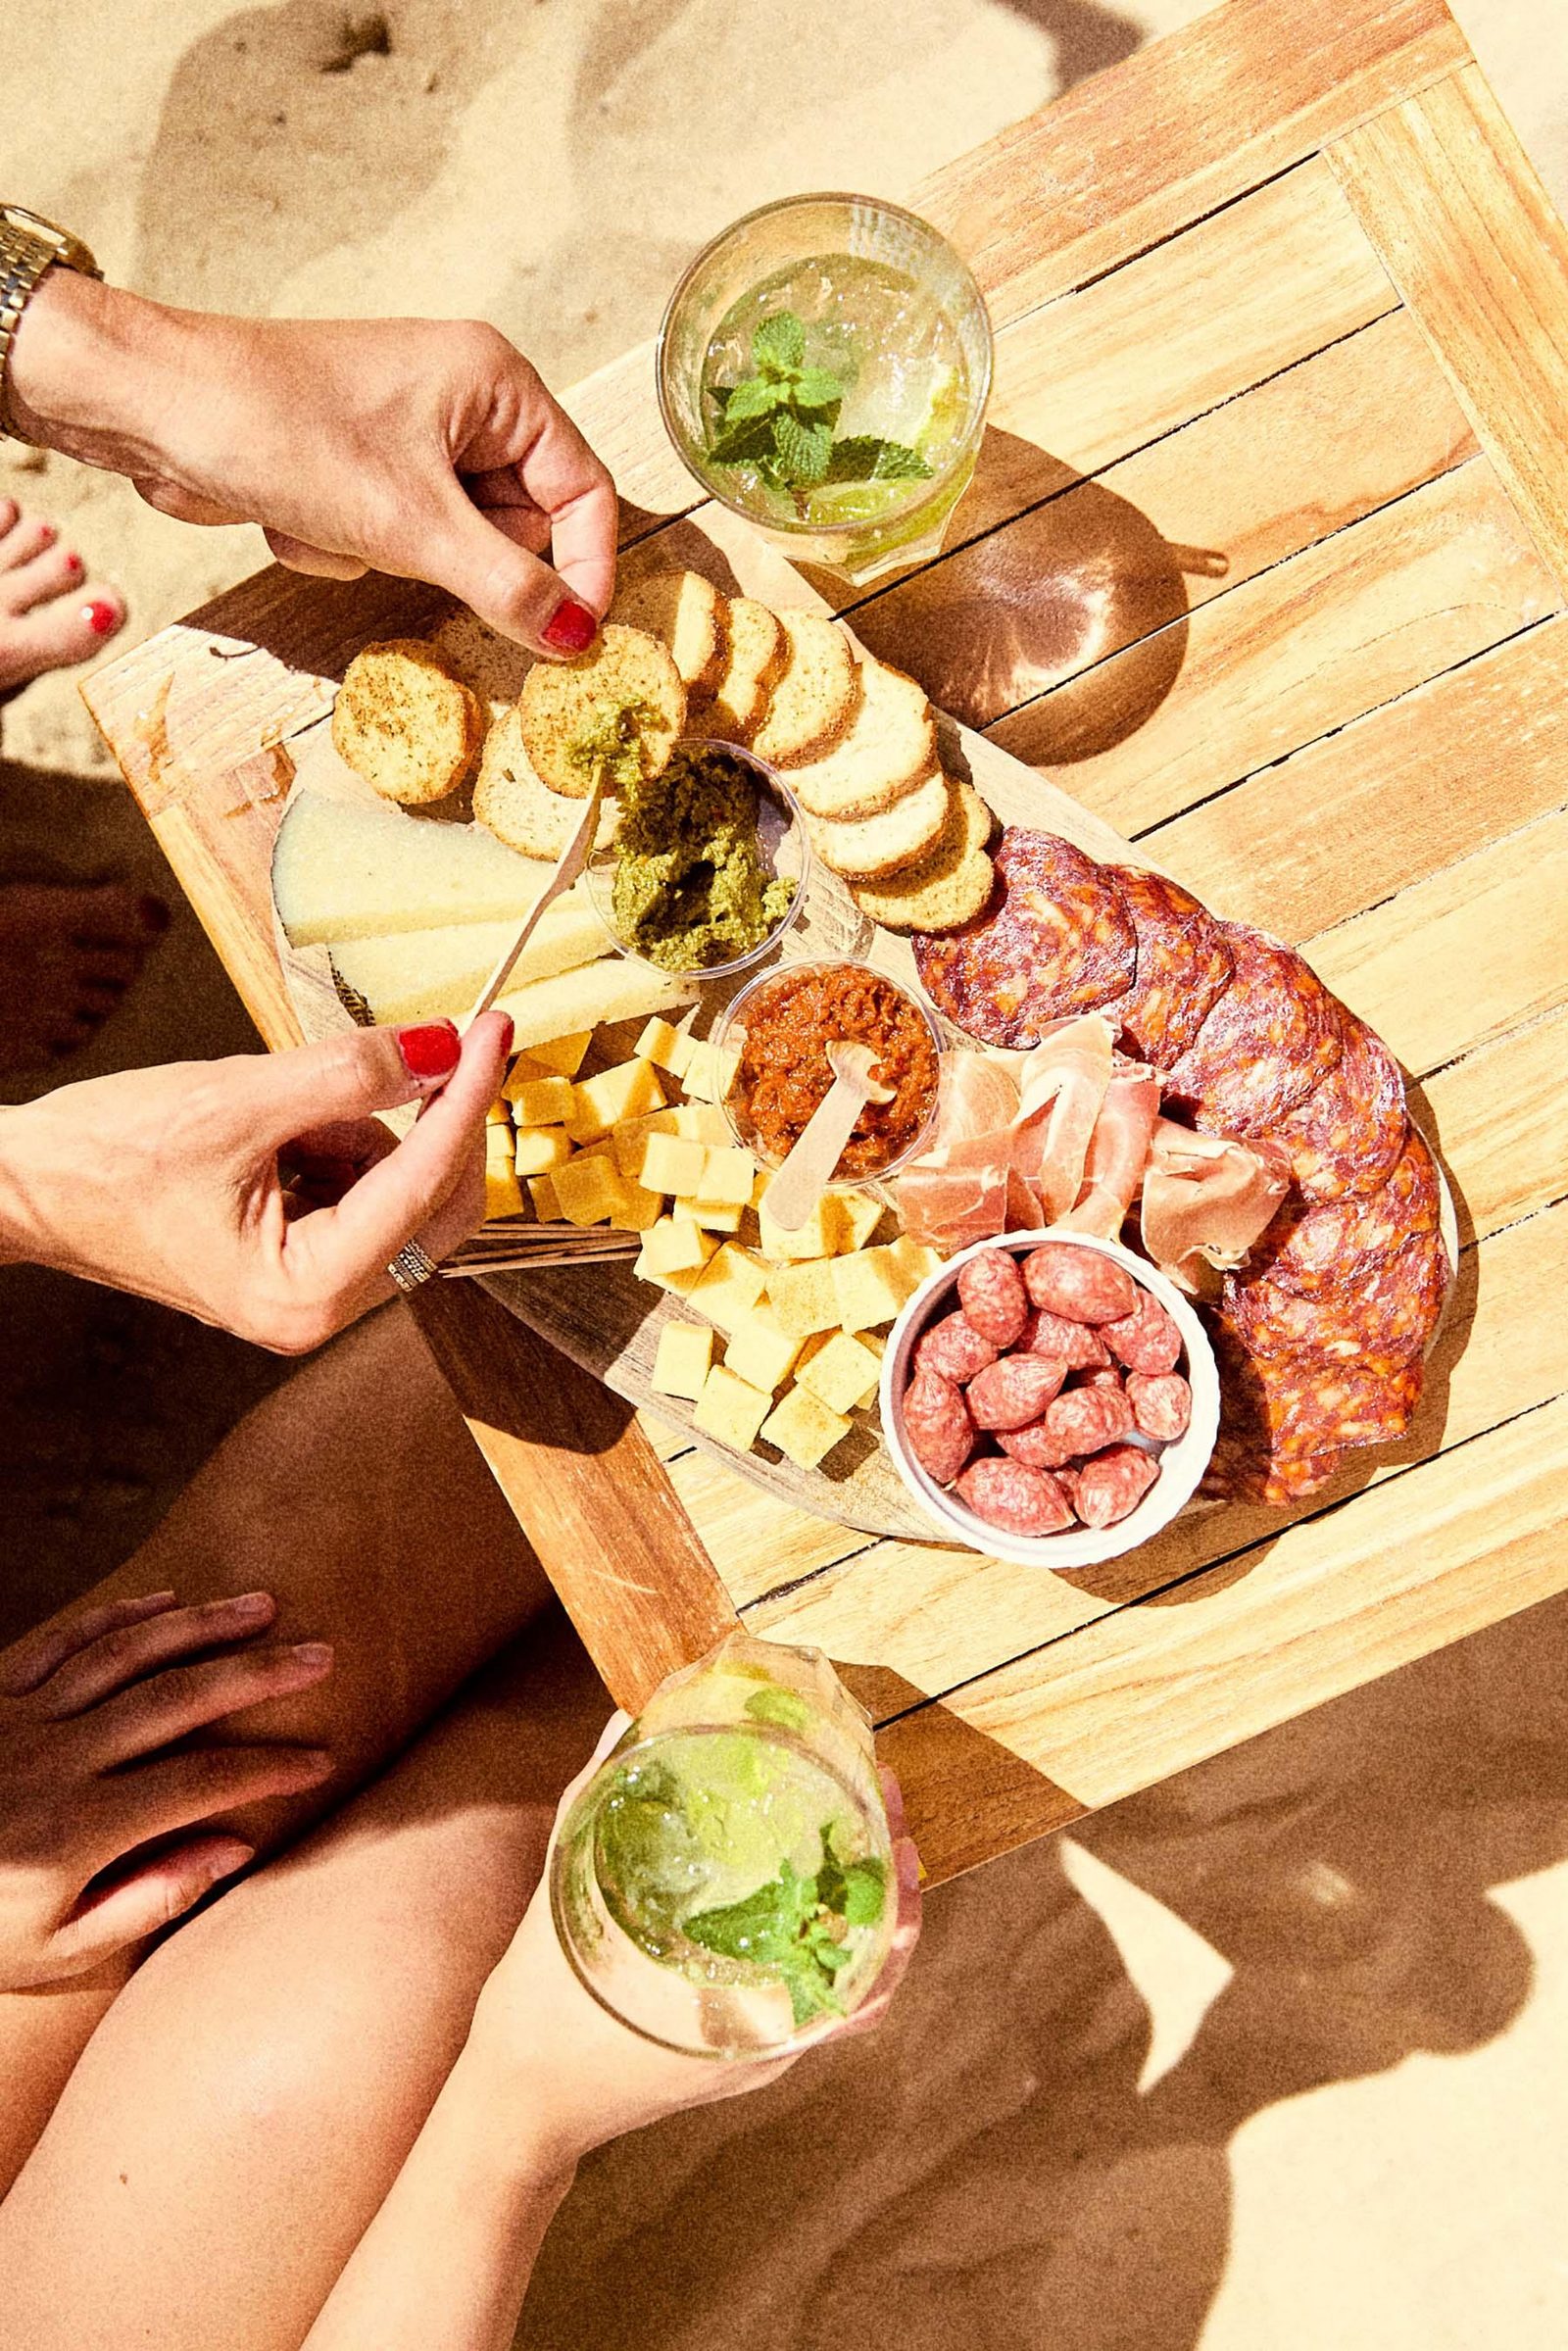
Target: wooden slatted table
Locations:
point(1267, 563)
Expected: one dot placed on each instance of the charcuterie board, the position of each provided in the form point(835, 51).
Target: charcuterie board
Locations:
point(604, 1316)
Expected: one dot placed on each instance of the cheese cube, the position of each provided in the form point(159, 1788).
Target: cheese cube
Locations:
point(805, 1428)
point(680, 1053)
point(860, 1214)
point(802, 1296)
point(843, 1374)
point(659, 1041)
point(630, 1139)
point(600, 1103)
point(540, 1148)
point(588, 1187)
point(562, 1055)
point(604, 1149)
point(730, 1286)
point(701, 1122)
point(818, 1237)
point(498, 1145)
point(542, 1193)
point(707, 1072)
point(727, 1175)
point(762, 1350)
point(641, 1209)
point(673, 1247)
point(715, 1216)
point(503, 1194)
point(870, 1287)
point(672, 1165)
point(499, 1113)
point(731, 1409)
point(915, 1262)
point(684, 1360)
point(679, 1281)
point(542, 1102)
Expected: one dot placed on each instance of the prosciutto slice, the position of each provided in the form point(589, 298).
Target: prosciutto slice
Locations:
point(1062, 1087)
point(1117, 1150)
point(1206, 1198)
point(956, 1190)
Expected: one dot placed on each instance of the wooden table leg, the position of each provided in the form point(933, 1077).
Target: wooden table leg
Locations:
point(586, 1487)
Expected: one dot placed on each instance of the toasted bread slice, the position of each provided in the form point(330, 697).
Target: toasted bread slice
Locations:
point(686, 612)
point(620, 704)
point(948, 885)
point(486, 661)
point(405, 724)
point(899, 837)
point(511, 802)
point(815, 699)
point(754, 662)
point(889, 747)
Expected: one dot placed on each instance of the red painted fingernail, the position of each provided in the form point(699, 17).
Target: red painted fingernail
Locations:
point(152, 913)
point(74, 563)
point(430, 1050)
point(572, 628)
point(102, 618)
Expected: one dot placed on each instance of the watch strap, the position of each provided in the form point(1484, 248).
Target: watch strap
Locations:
point(29, 245)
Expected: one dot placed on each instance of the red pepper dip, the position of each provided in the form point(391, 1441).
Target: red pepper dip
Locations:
point(783, 1075)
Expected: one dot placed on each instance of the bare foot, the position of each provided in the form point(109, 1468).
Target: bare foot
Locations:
point(51, 616)
point(68, 953)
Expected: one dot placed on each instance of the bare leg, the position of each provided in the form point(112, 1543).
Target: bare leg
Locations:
point(356, 1496)
point(242, 2113)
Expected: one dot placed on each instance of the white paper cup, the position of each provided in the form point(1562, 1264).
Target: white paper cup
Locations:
point(1182, 1462)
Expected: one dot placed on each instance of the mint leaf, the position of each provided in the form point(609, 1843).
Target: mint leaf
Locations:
point(786, 1707)
point(749, 442)
point(864, 1892)
point(801, 450)
point(817, 387)
point(778, 346)
point(765, 1927)
point(755, 397)
point(866, 457)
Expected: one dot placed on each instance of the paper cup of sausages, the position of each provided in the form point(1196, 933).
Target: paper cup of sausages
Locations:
point(1049, 1398)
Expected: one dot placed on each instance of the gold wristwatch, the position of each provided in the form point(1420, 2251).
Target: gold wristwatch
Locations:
point(28, 246)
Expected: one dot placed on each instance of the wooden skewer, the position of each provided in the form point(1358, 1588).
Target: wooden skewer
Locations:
point(568, 866)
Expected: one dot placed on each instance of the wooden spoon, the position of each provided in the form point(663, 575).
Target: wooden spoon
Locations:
point(800, 1182)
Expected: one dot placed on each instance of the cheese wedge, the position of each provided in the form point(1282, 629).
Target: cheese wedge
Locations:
point(342, 869)
point(612, 989)
point(417, 975)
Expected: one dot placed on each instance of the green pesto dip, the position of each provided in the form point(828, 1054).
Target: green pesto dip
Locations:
point(610, 745)
point(691, 889)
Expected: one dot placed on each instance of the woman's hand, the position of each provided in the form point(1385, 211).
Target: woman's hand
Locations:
point(582, 2076)
point(425, 448)
point(90, 1705)
point(169, 1182)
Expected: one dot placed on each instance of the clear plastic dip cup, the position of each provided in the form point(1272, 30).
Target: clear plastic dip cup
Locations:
point(724, 1884)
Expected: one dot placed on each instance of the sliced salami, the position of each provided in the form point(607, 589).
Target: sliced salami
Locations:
point(1326, 1244)
point(1183, 966)
point(1348, 1131)
point(1283, 1409)
point(1270, 1040)
point(1054, 939)
point(1240, 1472)
point(1385, 1308)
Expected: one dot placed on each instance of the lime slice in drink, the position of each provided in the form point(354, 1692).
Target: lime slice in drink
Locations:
point(943, 411)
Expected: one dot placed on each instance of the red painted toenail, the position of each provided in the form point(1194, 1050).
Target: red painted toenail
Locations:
point(102, 618)
point(573, 629)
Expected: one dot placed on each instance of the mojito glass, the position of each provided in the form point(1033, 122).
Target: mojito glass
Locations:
point(823, 369)
point(725, 1884)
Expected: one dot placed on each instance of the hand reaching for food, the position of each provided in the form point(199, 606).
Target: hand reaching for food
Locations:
point(259, 1193)
point(91, 1705)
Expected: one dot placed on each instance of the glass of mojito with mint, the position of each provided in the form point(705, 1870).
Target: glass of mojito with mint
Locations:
point(823, 369)
point(725, 1883)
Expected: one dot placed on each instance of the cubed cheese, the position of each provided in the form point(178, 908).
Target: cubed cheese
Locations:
point(727, 1175)
point(679, 1281)
point(730, 1286)
point(661, 1043)
point(860, 1214)
point(630, 1140)
point(542, 1193)
point(762, 1350)
point(802, 1296)
point(707, 1072)
point(731, 1409)
point(914, 1261)
point(640, 1209)
point(684, 1360)
point(540, 1148)
point(715, 1216)
point(499, 1113)
point(673, 1247)
point(562, 1055)
point(818, 1237)
point(542, 1102)
point(870, 1287)
point(598, 1104)
point(503, 1194)
point(672, 1165)
point(588, 1187)
point(701, 1122)
point(843, 1374)
point(806, 1429)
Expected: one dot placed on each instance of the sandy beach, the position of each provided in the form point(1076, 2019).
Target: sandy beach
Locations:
point(1272, 2056)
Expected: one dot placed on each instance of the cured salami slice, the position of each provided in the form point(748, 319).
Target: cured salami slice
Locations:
point(1385, 1310)
point(1284, 1408)
point(1183, 966)
point(1348, 1131)
point(1325, 1245)
point(1055, 939)
point(1271, 1039)
point(1238, 1472)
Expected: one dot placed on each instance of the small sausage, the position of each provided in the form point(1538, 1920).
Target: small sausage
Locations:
point(1114, 1484)
point(1018, 1500)
point(1014, 1390)
point(1147, 1340)
point(992, 1296)
point(1067, 1279)
point(1161, 1402)
point(1083, 1419)
point(953, 1347)
point(1035, 1445)
point(937, 1426)
point(1073, 1344)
